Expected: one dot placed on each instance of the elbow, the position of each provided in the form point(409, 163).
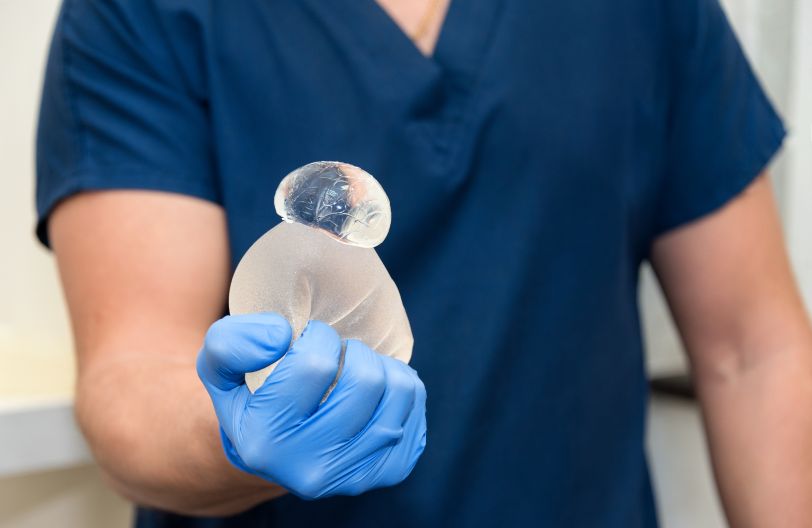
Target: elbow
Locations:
point(717, 365)
point(136, 463)
point(115, 445)
point(721, 363)
point(118, 448)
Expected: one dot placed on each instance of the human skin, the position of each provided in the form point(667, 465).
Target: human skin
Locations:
point(410, 16)
point(145, 274)
point(731, 291)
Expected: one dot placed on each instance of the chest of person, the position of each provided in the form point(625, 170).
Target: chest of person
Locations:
point(524, 108)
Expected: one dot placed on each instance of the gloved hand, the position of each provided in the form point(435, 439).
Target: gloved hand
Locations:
point(367, 434)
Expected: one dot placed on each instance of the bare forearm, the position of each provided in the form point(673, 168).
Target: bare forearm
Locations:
point(145, 273)
point(152, 429)
point(760, 431)
point(730, 287)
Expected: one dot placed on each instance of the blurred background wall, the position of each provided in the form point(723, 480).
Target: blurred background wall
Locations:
point(46, 478)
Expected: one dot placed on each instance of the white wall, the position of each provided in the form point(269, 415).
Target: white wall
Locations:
point(799, 167)
point(35, 345)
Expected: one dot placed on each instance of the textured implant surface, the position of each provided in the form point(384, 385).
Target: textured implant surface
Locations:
point(303, 274)
point(343, 200)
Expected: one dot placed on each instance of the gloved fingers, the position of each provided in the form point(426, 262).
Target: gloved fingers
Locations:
point(295, 388)
point(402, 387)
point(390, 459)
point(360, 387)
point(231, 452)
point(414, 436)
point(233, 346)
point(238, 344)
point(400, 401)
point(229, 406)
point(405, 454)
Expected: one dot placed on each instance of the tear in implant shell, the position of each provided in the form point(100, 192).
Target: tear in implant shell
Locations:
point(341, 199)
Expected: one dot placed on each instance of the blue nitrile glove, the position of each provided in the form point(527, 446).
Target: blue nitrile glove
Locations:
point(368, 433)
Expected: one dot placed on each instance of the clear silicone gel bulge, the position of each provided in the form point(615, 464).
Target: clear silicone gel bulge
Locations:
point(319, 262)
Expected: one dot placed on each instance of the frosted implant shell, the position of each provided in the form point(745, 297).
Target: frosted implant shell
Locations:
point(302, 274)
point(343, 200)
point(311, 266)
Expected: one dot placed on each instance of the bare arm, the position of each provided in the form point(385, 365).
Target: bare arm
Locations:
point(145, 274)
point(731, 290)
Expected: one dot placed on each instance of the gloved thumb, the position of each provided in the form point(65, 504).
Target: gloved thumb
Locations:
point(238, 344)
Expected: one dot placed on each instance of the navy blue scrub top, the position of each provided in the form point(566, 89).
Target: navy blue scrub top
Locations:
point(530, 164)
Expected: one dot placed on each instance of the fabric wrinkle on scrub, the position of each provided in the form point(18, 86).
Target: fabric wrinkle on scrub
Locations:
point(319, 262)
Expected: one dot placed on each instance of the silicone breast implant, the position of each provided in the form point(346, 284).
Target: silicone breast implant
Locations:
point(318, 263)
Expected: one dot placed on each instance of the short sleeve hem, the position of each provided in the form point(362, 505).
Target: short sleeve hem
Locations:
point(118, 178)
point(735, 184)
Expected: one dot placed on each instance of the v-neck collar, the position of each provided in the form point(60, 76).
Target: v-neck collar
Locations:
point(405, 34)
point(463, 40)
point(436, 92)
point(396, 28)
point(466, 36)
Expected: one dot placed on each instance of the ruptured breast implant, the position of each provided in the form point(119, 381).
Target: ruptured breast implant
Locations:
point(319, 262)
